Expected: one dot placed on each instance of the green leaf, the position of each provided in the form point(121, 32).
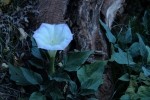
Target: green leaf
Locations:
point(17, 75)
point(148, 58)
point(35, 51)
point(56, 94)
point(32, 77)
point(146, 21)
point(143, 50)
point(60, 77)
point(85, 92)
point(126, 37)
point(146, 71)
point(73, 87)
point(37, 96)
point(90, 76)
point(37, 63)
point(75, 59)
point(122, 57)
point(109, 35)
point(124, 77)
point(144, 91)
point(134, 49)
point(125, 97)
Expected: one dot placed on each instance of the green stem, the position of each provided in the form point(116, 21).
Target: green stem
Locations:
point(51, 68)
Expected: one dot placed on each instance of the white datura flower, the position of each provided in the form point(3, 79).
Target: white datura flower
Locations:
point(53, 36)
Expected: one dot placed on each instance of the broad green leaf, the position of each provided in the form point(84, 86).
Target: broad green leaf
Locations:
point(144, 79)
point(124, 77)
point(122, 57)
point(73, 87)
point(143, 50)
point(144, 91)
point(142, 76)
point(37, 96)
point(56, 94)
point(131, 90)
point(126, 37)
point(148, 58)
point(32, 77)
point(75, 59)
point(134, 49)
point(37, 63)
point(60, 77)
point(35, 51)
point(17, 75)
point(125, 97)
point(146, 71)
point(146, 21)
point(109, 35)
point(85, 92)
point(90, 76)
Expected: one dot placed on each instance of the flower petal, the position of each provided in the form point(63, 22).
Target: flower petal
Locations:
point(53, 36)
point(63, 35)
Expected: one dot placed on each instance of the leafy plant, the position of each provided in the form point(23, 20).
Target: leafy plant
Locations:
point(131, 53)
point(74, 79)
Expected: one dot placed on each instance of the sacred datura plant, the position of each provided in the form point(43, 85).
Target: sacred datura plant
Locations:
point(71, 77)
point(52, 37)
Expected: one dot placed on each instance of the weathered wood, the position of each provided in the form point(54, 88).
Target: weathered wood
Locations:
point(85, 25)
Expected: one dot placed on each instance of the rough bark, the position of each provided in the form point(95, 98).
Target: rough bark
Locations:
point(52, 11)
point(85, 25)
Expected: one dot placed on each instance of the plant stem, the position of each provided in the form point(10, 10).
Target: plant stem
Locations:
point(51, 68)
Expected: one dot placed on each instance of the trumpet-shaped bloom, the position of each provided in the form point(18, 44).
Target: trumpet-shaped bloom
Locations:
point(53, 36)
